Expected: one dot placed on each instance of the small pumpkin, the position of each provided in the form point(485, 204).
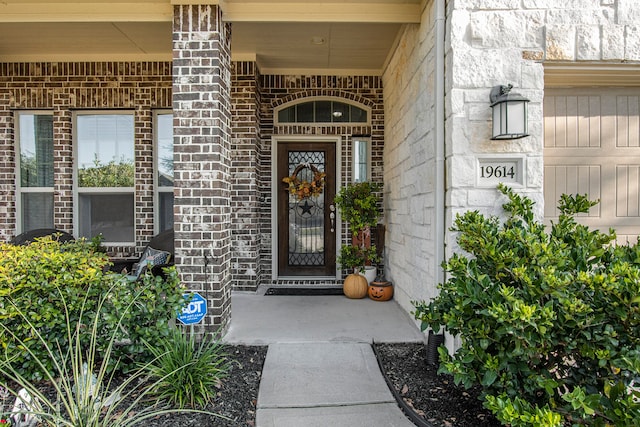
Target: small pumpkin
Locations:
point(380, 291)
point(355, 286)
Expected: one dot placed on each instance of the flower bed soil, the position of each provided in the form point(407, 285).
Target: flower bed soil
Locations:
point(434, 398)
point(236, 398)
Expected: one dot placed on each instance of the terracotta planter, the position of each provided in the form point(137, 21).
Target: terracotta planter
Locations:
point(381, 291)
point(355, 286)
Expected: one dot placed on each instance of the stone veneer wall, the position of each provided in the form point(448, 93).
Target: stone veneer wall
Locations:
point(496, 42)
point(279, 89)
point(488, 43)
point(202, 158)
point(499, 42)
point(410, 164)
point(61, 88)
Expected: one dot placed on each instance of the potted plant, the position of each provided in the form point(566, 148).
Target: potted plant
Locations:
point(358, 258)
point(355, 258)
point(380, 289)
point(358, 206)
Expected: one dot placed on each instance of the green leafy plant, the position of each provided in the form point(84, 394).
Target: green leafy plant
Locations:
point(50, 281)
point(186, 373)
point(85, 393)
point(356, 257)
point(358, 205)
point(549, 321)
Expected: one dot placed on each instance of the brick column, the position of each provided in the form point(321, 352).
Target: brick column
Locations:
point(201, 105)
point(63, 161)
point(7, 169)
point(244, 167)
point(144, 169)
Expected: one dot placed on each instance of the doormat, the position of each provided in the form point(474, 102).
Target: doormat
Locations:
point(304, 291)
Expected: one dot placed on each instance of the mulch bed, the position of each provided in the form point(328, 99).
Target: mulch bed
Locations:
point(236, 399)
point(433, 398)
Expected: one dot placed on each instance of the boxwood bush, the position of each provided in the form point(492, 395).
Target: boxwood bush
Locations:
point(50, 282)
point(549, 319)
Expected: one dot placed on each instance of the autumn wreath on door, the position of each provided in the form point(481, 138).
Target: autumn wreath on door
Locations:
point(305, 181)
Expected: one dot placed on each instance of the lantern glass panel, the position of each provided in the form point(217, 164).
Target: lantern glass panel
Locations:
point(516, 118)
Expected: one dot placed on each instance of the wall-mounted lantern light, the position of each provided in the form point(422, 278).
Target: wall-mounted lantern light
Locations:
point(509, 113)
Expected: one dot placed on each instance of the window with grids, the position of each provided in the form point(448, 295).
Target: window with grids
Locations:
point(105, 176)
point(35, 170)
point(322, 111)
point(164, 170)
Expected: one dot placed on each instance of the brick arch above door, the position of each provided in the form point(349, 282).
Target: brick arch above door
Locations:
point(275, 91)
point(348, 97)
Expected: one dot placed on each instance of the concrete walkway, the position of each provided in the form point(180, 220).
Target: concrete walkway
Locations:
point(320, 369)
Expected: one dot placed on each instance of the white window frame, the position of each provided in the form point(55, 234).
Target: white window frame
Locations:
point(157, 188)
point(77, 191)
point(277, 110)
point(20, 190)
point(354, 167)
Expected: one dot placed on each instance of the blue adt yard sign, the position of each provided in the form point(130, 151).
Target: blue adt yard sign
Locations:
point(195, 310)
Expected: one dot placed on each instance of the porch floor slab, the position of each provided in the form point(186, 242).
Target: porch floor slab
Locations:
point(261, 320)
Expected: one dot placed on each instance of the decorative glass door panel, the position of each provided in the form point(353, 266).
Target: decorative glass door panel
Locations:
point(306, 217)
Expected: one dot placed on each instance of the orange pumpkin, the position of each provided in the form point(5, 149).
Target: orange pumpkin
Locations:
point(380, 291)
point(355, 286)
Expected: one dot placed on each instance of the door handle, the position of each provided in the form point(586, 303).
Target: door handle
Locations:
point(332, 217)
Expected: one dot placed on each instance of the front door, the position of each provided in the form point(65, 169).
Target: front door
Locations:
point(306, 216)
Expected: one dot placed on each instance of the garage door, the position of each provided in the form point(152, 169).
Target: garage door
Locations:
point(592, 146)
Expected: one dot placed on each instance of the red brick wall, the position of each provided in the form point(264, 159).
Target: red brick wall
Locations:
point(279, 89)
point(238, 150)
point(63, 88)
point(245, 160)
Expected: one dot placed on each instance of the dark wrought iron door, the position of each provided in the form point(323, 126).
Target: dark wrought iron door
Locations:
point(306, 218)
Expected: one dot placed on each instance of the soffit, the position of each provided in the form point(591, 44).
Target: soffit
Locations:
point(85, 41)
point(396, 11)
point(361, 48)
point(285, 36)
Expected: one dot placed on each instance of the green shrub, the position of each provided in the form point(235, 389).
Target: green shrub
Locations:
point(186, 373)
point(50, 281)
point(549, 321)
point(84, 392)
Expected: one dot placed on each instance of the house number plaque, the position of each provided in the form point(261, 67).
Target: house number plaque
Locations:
point(492, 171)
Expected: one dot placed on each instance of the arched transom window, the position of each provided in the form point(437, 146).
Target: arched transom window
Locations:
point(322, 111)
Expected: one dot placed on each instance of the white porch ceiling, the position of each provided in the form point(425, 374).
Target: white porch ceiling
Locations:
point(285, 36)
